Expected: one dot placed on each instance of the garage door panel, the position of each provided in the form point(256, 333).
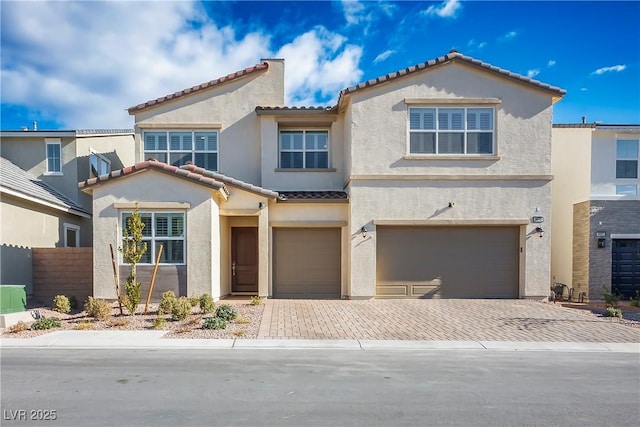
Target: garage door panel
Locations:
point(447, 262)
point(306, 262)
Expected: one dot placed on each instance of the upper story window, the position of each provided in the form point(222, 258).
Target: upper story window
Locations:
point(626, 158)
point(451, 131)
point(161, 228)
point(71, 235)
point(304, 149)
point(99, 165)
point(54, 156)
point(179, 147)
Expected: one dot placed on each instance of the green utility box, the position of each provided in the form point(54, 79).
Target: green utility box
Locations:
point(13, 298)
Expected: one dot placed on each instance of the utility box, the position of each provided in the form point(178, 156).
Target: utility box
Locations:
point(13, 298)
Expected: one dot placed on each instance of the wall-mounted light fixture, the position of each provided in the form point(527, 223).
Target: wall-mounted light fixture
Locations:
point(260, 205)
point(451, 204)
point(363, 231)
point(540, 231)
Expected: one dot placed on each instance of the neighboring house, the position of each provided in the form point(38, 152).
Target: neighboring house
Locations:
point(596, 209)
point(41, 203)
point(419, 184)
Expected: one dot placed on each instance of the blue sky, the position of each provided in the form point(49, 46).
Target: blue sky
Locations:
point(78, 65)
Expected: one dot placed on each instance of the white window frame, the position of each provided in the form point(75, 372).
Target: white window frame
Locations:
point(624, 158)
point(66, 226)
point(195, 134)
point(152, 241)
point(100, 158)
point(52, 142)
point(304, 149)
point(622, 190)
point(438, 130)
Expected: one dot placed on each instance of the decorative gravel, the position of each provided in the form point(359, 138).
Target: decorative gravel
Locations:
point(245, 325)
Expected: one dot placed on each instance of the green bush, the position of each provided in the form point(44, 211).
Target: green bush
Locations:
point(167, 302)
point(98, 308)
point(194, 301)
point(613, 312)
point(182, 309)
point(256, 300)
point(46, 323)
point(158, 323)
point(206, 304)
point(61, 304)
point(636, 301)
point(214, 323)
point(226, 312)
point(131, 299)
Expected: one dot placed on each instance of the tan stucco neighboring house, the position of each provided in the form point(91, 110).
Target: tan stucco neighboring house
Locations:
point(596, 209)
point(419, 184)
point(41, 204)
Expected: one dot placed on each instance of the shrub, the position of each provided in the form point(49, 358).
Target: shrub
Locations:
point(613, 312)
point(214, 323)
point(206, 304)
point(194, 301)
point(73, 302)
point(46, 323)
point(636, 301)
point(256, 300)
point(61, 304)
point(610, 299)
point(131, 299)
point(167, 302)
point(226, 312)
point(97, 308)
point(84, 326)
point(243, 321)
point(182, 309)
point(118, 323)
point(18, 327)
point(158, 323)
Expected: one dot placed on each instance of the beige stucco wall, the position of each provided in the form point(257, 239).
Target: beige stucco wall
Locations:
point(571, 159)
point(202, 227)
point(232, 105)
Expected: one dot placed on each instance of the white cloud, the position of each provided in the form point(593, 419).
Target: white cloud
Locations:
point(472, 44)
point(615, 68)
point(509, 36)
point(583, 89)
point(482, 45)
point(532, 73)
point(384, 55)
point(448, 9)
point(84, 71)
point(551, 63)
point(354, 12)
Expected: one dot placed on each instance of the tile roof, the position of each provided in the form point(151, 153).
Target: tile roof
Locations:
point(198, 88)
point(103, 131)
point(313, 195)
point(295, 110)
point(452, 56)
point(26, 184)
point(153, 164)
point(231, 181)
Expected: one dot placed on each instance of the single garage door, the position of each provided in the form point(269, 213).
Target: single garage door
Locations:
point(447, 262)
point(306, 262)
point(625, 267)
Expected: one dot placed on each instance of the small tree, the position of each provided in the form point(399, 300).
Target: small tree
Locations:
point(132, 251)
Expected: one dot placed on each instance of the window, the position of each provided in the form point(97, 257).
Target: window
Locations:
point(304, 149)
point(626, 158)
point(451, 131)
point(99, 165)
point(178, 148)
point(54, 156)
point(161, 228)
point(71, 235)
point(627, 190)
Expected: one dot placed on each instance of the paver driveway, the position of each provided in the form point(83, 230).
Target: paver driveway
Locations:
point(459, 320)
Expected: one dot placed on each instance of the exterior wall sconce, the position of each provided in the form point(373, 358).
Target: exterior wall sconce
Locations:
point(363, 231)
point(540, 231)
point(601, 243)
point(260, 205)
point(451, 204)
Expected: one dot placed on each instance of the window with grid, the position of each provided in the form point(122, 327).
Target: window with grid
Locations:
point(626, 158)
point(54, 156)
point(179, 147)
point(99, 165)
point(451, 131)
point(161, 228)
point(304, 149)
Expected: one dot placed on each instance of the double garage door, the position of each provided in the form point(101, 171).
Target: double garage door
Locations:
point(447, 262)
point(306, 262)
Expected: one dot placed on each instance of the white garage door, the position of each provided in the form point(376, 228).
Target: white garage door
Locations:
point(447, 262)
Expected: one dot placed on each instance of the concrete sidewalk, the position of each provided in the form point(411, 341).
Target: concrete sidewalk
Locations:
point(152, 340)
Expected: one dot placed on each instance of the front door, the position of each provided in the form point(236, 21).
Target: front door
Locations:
point(244, 260)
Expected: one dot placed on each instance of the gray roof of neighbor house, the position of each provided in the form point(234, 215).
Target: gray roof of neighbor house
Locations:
point(453, 56)
point(20, 183)
point(198, 88)
point(598, 125)
point(231, 181)
point(306, 196)
point(159, 166)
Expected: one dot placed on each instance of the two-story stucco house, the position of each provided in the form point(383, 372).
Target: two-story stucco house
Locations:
point(419, 184)
point(596, 209)
point(41, 204)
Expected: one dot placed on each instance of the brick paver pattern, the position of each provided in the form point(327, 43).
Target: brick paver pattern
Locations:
point(451, 320)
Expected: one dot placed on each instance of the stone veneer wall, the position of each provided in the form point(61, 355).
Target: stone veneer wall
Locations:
point(591, 264)
point(581, 249)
